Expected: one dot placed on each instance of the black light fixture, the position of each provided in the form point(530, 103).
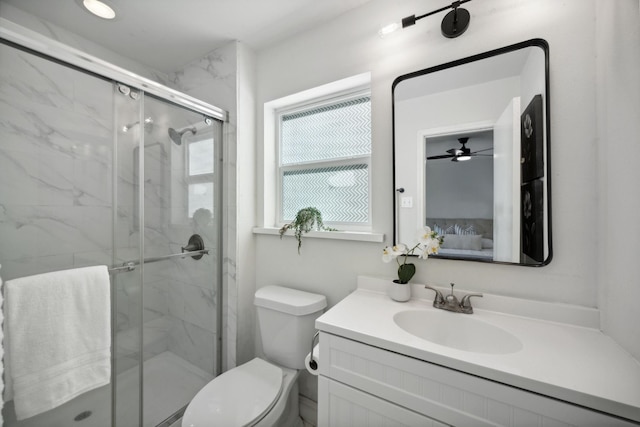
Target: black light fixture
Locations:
point(454, 24)
point(461, 154)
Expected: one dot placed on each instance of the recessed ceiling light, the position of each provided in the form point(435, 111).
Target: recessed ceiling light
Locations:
point(99, 9)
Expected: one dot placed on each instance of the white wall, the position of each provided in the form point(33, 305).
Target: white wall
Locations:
point(349, 45)
point(618, 35)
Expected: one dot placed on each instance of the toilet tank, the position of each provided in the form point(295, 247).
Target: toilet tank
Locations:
point(286, 318)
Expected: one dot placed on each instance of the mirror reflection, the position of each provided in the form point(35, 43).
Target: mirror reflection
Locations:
point(471, 156)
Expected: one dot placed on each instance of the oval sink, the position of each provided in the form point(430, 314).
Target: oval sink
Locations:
point(459, 331)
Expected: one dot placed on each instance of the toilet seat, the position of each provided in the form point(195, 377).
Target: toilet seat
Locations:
point(239, 397)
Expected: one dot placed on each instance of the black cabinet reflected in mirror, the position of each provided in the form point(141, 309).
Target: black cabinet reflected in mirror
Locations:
point(471, 155)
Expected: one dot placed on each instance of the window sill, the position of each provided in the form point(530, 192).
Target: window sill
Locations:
point(360, 236)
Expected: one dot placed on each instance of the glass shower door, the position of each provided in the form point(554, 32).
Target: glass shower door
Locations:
point(93, 172)
point(165, 311)
point(129, 136)
point(56, 176)
point(180, 295)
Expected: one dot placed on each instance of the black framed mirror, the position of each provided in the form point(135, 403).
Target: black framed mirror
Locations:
point(471, 155)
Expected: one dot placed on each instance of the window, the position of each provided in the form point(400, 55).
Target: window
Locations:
point(200, 175)
point(324, 160)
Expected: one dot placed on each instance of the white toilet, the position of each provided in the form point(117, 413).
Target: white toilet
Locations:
point(261, 392)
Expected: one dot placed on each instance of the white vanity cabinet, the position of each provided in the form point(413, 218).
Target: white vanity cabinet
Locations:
point(361, 385)
point(347, 406)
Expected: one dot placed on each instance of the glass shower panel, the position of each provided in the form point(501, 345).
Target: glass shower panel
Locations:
point(180, 295)
point(96, 173)
point(56, 187)
point(127, 244)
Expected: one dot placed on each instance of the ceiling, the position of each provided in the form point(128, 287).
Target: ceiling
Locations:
point(166, 34)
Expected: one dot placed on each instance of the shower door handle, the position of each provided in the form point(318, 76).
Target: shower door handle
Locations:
point(195, 249)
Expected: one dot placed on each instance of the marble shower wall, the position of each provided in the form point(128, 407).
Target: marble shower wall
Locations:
point(56, 180)
point(55, 166)
point(56, 202)
point(180, 295)
point(213, 79)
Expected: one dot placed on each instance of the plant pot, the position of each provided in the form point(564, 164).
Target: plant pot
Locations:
point(400, 292)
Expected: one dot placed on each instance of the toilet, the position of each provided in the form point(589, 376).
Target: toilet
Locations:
point(264, 393)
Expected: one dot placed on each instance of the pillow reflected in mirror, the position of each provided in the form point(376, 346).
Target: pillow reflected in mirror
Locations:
point(471, 242)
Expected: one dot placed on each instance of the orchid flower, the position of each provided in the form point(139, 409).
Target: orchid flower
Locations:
point(425, 236)
point(428, 244)
point(392, 252)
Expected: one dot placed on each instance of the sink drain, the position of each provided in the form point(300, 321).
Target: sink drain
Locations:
point(82, 416)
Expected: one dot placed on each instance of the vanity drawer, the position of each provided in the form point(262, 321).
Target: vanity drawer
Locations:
point(444, 394)
point(345, 406)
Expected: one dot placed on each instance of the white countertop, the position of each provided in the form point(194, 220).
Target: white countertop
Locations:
point(573, 363)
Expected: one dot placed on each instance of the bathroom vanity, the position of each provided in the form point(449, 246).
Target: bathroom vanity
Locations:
point(389, 363)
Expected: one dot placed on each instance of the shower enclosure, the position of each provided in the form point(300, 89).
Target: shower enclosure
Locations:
point(97, 171)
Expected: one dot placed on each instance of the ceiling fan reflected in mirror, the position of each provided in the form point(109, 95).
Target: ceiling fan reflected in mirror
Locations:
point(461, 154)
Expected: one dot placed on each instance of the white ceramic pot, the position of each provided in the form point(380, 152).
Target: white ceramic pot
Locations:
point(400, 292)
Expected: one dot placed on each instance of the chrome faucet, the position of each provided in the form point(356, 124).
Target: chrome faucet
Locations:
point(451, 303)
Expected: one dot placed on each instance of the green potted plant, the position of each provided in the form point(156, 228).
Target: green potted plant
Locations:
point(306, 220)
point(428, 244)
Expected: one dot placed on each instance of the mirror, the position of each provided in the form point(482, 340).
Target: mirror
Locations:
point(471, 156)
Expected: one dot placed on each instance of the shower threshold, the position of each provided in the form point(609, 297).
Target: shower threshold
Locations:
point(170, 383)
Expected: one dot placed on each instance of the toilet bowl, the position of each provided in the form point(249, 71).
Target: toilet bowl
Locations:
point(263, 392)
point(257, 393)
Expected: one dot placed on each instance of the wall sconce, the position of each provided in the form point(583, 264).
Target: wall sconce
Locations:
point(454, 23)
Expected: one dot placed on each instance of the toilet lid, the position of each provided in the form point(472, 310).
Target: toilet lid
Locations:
point(239, 397)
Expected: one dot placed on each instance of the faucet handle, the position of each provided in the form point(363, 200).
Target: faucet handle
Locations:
point(439, 299)
point(465, 303)
point(451, 300)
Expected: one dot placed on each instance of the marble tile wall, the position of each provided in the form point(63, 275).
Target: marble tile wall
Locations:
point(212, 79)
point(56, 173)
point(55, 166)
point(56, 180)
point(24, 225)
point(56, 204)
point(180, 295)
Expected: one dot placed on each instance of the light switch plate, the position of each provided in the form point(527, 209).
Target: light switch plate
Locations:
point(406, 202)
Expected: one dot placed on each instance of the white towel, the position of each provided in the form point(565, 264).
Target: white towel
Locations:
point(59, 335)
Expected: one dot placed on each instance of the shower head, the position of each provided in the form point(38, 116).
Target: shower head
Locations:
point(176, 136)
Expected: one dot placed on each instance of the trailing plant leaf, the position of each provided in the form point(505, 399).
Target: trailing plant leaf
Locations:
point(304, 222)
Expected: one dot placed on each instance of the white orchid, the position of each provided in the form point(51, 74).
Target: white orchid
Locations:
point(431, 242)
point(428, 244)
point(392, 252)
point(430, 249)
point(425, 236)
